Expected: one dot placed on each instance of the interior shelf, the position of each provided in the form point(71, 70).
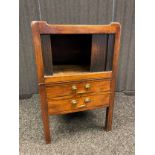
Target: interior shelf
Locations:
point(69, 69)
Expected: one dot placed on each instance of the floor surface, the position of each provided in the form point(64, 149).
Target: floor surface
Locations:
point(78, 133)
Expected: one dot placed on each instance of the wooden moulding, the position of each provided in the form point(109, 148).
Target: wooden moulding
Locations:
point(79, 76)
point(46, 28)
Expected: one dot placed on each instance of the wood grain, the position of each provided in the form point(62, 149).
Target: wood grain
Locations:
point(40, 72)
point(64, 89)
point(78, 76)
point(38, 51)
point(110, 51)
point(46, 28)
point(44, 113)
point(65, 105)
point(47, 54)
point(59, 70)
point(98, 52)
point(109, 112)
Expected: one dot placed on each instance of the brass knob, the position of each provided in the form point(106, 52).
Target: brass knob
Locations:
point(82, 106)
point(74, 88)
point(87, 86)
point(87, 100)
point(74, 102)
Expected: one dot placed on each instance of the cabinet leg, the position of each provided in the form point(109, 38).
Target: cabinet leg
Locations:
point(109, 115)
point(44, 114)
point(46, 129)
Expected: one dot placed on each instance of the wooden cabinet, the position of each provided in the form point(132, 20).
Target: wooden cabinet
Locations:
point(76, 67)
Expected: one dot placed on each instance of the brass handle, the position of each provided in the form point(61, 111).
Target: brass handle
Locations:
point(82, 106)
point(81, 92)
point(74, 102)
point(74, 88)
point(87, 100)
point(87, 86)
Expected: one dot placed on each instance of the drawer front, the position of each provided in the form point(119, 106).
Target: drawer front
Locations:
point(67, 105)
point(76, 88)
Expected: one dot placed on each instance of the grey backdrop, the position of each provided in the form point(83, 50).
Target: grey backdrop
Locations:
point(77, 12)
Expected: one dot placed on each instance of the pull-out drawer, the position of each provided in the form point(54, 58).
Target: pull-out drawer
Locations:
point(72, 104)
point(76, 88)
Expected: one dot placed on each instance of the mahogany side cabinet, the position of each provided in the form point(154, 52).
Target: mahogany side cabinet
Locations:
point(76, 68)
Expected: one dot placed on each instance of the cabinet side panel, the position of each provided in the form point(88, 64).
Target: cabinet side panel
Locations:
point(47, 54)
point(110, 51)
point(98, 52)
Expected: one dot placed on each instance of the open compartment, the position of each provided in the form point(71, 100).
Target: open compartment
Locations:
point(71, 53)
point(77, 53)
